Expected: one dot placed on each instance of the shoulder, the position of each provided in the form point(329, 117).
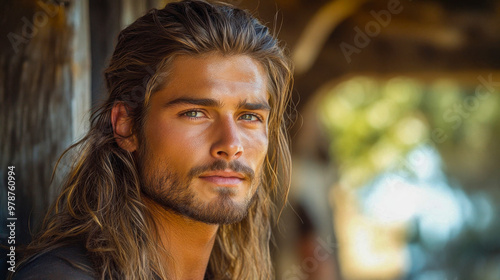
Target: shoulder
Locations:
point(67, 262)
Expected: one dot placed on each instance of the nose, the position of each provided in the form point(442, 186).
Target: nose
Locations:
point(227, 145)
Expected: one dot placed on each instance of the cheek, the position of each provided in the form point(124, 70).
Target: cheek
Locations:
point(257, 146)
point(175, 141)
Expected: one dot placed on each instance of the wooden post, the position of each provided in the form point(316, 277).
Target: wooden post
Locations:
point(45, 96)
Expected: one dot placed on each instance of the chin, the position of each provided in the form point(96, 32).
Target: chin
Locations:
point(225, 209)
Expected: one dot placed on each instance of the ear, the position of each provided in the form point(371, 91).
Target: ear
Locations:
point(122, 127)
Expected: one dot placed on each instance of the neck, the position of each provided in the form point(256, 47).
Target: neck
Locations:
point(188, 243)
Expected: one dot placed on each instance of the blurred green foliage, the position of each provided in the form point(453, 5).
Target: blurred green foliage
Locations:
point(374, 123)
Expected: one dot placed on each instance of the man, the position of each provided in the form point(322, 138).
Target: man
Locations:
point(176, 177)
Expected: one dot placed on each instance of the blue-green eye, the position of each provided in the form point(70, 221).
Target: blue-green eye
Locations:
point(250, 117)
point(193, 114)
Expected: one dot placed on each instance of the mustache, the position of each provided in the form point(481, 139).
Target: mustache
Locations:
point(221, 165)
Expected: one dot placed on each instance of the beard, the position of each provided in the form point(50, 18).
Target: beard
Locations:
point(173, 192)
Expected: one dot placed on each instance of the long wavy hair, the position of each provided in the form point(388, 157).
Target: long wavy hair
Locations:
point(101, 202)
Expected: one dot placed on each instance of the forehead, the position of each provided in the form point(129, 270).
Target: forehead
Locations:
point(216, 76)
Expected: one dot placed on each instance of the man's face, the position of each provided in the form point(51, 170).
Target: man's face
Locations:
point(205, 140)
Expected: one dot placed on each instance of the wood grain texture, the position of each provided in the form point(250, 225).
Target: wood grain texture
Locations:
point(39, 70)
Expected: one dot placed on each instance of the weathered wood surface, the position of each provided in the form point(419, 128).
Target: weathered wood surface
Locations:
point(44, 92)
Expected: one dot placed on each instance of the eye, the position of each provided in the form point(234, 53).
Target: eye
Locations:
point(250, 117)
point(193, 114)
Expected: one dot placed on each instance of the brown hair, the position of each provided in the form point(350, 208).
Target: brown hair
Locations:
point(101, 201)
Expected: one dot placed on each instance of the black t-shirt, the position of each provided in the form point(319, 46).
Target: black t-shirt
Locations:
point(67, 262)
point(70, 262)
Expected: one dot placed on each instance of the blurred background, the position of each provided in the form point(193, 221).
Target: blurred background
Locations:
point(395, 162)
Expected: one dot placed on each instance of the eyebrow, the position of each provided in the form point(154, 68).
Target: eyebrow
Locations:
point(208, 102)
point(254, 106)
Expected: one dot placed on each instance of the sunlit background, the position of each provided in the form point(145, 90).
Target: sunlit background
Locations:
point(395, 135)
point(412, 198)
point(396, 142)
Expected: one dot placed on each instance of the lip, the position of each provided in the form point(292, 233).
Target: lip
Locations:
point(223, 178)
